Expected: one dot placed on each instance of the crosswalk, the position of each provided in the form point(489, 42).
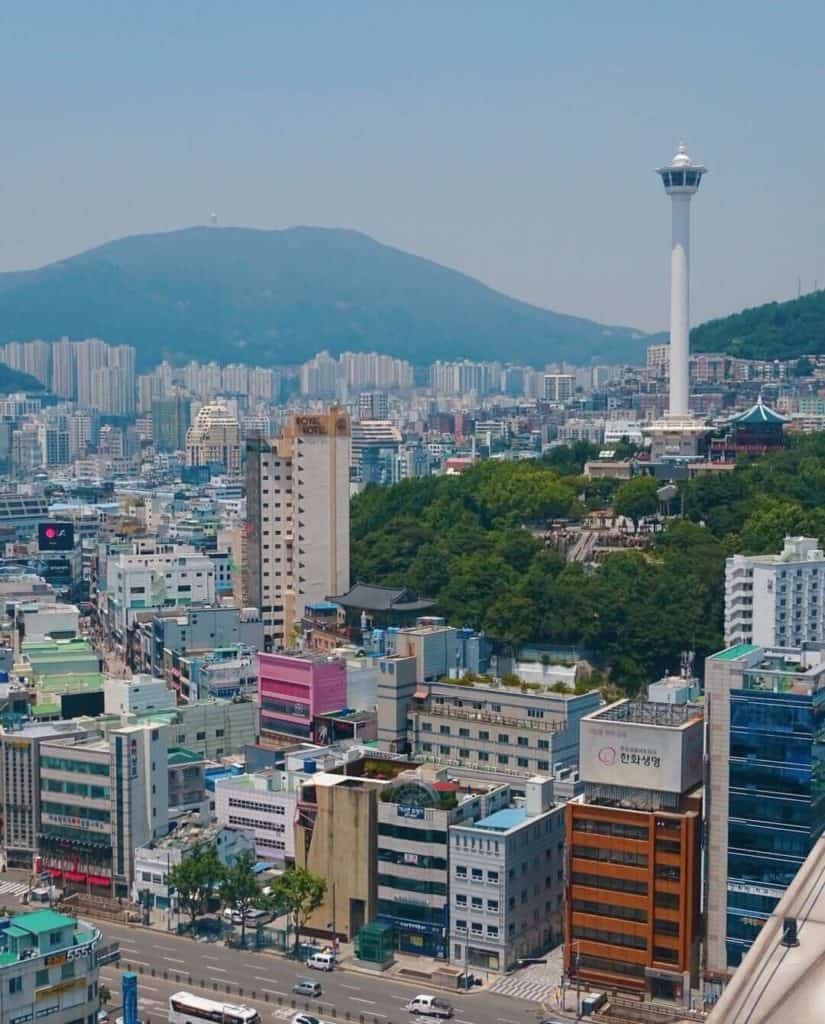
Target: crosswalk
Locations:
point(535, 991)
point(12, 889)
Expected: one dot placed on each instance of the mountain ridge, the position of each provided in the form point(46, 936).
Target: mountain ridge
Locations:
point(277, 297)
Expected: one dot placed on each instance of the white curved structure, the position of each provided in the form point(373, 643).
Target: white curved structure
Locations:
point(681, 179)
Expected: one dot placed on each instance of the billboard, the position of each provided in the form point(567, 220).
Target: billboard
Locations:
point(641, 756)
point(55, 536)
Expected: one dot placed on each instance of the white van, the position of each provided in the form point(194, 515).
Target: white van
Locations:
point(430, 1006)
point(322, 961)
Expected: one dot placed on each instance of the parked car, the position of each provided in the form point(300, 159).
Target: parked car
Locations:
point(430, 1006)
point(305, 1018)
point(307, 987)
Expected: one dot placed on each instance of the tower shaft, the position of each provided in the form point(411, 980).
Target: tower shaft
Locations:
point(680, 306)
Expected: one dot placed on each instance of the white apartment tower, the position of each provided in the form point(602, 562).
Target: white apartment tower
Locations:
point(297, 544)
point(776, 599)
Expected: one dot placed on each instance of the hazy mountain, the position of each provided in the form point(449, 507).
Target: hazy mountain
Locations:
point(15, 380)
point(236, 294)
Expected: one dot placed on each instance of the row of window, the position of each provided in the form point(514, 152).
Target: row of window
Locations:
point(610, 938)
point(476, 928)
point(611, 884)
point(609, 856)
point(63, 764)
point(413, 884)
point(483, 755)
point(476, 874)
point(247, 822)
point(75, 811)
point(610, 910)
point(412, 835)
point(611, 828)
point(502, 738)
point(476, 902)
point(254, 805)
point(77, 789)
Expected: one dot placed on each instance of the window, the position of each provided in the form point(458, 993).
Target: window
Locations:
point(477, 903)
point(476, 927)
point(492, 906)
point(477, 874)
point(483, 755)
point(67, 971)
point(544, 744)
point(461, 899)
point(42, 977)
point(444, 748)
point(15, 985)
point(484, 735)
point(630, 857)
point(503, 738)
point(201, 736)
point(492, 931)
point(503, 759)
point(464, 732)
point(543, 766)
point(523, 741)
point(492, 876)
point(426, 726)
point(522, 762)
point(444, 730)
point(461, 871)
point(461, 924)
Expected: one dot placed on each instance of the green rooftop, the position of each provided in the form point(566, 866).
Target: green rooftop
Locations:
point(180, 755)
point(40, 710)
point(732, 653)
point(39, 921)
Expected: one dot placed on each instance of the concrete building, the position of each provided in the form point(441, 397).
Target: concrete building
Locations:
point(263, 804)
point(490, 727)
point(507, 881)
point(297, 547)
point(415, 814)
point(193, 630)
point(20, 789)
point(559, 388)
point(99, 800)
point(776, 599)
point(764, 807)
point(154, 861)
point(634, 841)
point(214, 439)
point(171, 419)
point(293, 689)
point(154, 578)
point(48, 967)
point(136, 695)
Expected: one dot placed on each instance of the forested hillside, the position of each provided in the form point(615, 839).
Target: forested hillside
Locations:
point(777, 330)
point(463, 541)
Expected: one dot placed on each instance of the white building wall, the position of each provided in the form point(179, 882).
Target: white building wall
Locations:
point(270, 814)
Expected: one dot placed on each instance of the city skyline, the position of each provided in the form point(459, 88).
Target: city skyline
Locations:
point(475, 139)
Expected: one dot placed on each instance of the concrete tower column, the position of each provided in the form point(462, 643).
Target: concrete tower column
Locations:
point(680, 307)
point(681, 179)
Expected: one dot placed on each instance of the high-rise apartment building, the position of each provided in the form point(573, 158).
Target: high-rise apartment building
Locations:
point(64, 369)
point(90, 355)
point(319, 376)
point(373, 405)
point(634, 842)
point(776, 599)
point(765, 807)
point(559, 388)
point(298, 519)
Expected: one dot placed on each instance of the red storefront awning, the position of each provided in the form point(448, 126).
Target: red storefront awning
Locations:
point(99, 880)
point(74, 876)
point(54, 872)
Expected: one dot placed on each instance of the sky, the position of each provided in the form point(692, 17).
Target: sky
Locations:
point(514, 141)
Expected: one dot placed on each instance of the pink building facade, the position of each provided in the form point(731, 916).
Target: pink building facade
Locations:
point(292, 690)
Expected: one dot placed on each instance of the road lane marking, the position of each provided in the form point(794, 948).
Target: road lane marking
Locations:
point(173, 960)
point(355, 999)
point(223, 970)
point(506, 1020)
point(273, 991)
point(355, 988)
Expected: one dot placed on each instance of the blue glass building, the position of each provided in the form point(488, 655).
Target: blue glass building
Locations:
point(775, 774)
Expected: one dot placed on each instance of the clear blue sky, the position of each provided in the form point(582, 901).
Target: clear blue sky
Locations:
point(512, 140)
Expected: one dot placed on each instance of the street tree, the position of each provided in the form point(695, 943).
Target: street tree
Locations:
point(240, 889)
point(636, 499)
point(195, 880)
point(299, 893)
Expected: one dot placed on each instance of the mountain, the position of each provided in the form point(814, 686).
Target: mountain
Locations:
point(15, 380)
point(777, 330)
point(269, 297)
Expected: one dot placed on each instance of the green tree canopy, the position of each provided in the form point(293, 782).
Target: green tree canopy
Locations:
point(636, 499)
point(195, 880)
point(299, 893)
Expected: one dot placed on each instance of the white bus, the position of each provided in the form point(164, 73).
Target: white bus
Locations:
point(185, 1008)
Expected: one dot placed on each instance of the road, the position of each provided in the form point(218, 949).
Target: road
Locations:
point(346, 994)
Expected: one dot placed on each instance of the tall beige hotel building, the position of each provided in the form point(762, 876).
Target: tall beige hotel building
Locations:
point(297, 531)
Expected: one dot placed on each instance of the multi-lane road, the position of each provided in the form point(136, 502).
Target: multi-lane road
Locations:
point(266, 981)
